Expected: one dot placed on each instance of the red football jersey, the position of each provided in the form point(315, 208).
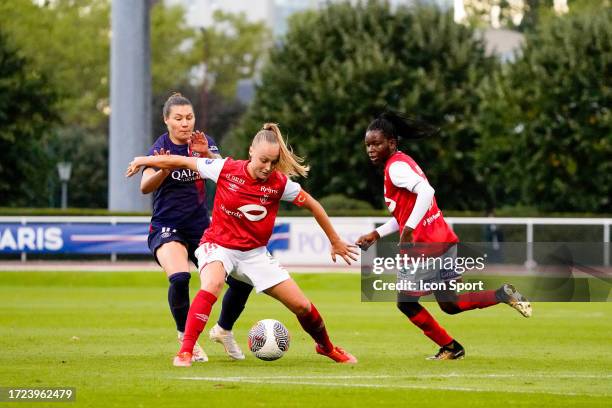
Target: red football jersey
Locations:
point(400, 201)
point(244, 209)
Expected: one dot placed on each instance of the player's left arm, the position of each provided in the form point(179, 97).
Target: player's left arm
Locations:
point(338, 246)
point(402, 175)
point(204, 145)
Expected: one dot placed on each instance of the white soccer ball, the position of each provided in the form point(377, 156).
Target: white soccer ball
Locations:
point(268, 339)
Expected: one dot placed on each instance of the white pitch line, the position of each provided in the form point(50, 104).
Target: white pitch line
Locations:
point(275, 380)
point(437, 375)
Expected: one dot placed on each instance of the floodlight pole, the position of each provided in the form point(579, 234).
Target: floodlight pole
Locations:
point(130, 97)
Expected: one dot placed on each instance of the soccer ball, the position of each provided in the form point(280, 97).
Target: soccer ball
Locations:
point(268, 339)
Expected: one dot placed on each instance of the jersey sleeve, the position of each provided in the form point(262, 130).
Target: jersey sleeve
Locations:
point(212, 145)
point(425, 194)
point(388, 228)
point(402, 175)
point(293, 193)
point(210, 168)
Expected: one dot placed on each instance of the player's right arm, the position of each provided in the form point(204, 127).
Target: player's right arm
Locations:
point(161, 162)
point(153, 178)
point(367, 240)
point(207, 168)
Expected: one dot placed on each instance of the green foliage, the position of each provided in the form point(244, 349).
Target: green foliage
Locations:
point(232, 49)
point(338, 68)
point(27, 109)
point(546, 123)
point(510, 13)
point(342, 202)
point(69, 41)
point(171, 56)
point(88, 153)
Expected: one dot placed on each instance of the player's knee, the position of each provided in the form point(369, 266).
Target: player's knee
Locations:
point(239, 287)
point(449, 307)
point(213, 286)
point(301, 308)
point(410, 309)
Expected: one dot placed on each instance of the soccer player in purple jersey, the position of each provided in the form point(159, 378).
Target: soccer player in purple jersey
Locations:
point(180, 216)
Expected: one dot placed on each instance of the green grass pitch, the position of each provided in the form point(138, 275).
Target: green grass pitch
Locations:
point(111, 336)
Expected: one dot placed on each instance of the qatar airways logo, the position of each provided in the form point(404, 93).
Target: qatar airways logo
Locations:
point(185, 175)
point(235, 179)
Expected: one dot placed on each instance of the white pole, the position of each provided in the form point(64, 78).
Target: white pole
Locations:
point(130, 97)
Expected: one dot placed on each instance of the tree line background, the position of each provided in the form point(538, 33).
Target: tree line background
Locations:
point(533, 132)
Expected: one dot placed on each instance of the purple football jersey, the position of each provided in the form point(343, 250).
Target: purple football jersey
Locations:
point(180, 201)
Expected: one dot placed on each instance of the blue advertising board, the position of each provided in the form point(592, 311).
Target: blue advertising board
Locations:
point(92, 238)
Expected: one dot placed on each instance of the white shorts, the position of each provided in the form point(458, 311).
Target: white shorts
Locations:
point(257, 267)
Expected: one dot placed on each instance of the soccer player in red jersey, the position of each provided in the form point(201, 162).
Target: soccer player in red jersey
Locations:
point(180, 215)
point(245, 208)
point(410, 199)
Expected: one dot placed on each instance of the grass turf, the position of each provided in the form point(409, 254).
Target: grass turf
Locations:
point(111, 336)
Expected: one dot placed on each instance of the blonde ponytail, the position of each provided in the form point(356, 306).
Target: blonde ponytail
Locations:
point(288, 163)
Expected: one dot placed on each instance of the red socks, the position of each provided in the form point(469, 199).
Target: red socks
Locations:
point(431, 328)
point(312, 323)
point(197, 318)
point(476, 300)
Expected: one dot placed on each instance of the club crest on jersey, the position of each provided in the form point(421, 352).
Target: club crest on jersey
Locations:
point(391, 204)
point(167, 232)
point(253, 212)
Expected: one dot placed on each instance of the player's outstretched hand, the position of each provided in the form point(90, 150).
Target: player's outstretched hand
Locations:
point(345, 250)
point(366, 241)
point(199, 144)
point(161, 152)
point(134, 166)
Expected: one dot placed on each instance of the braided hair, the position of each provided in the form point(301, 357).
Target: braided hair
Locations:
point(395, 125)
